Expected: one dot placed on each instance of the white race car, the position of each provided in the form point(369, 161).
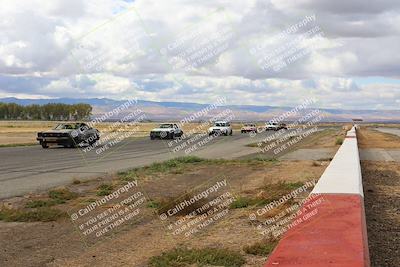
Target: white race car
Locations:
point(220, 128)
point(272, 126)
point(166, 130)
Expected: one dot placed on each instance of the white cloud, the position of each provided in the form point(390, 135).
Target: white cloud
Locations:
point(122, 41)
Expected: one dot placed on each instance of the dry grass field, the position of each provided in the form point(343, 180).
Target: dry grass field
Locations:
point(369, 138)
point(236, 238)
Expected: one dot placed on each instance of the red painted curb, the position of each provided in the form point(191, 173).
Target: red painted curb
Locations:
point(335, 236)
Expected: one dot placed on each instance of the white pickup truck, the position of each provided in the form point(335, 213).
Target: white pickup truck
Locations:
point(220, 127)
point(166, 130)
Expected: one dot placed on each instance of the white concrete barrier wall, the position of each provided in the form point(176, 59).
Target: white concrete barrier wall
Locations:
point(343, 175)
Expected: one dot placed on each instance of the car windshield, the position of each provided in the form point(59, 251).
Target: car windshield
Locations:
point(69, 126)
point(220, 124)
point(166, 126)
point(249, 125)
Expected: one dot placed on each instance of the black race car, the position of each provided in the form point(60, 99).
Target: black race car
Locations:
point(69, 135)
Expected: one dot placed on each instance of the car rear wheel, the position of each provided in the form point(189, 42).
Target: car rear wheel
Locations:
point(71, 145)
point(93, 140)
point(44, 145)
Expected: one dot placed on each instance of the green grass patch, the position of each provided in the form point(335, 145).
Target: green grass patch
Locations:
point(87, 200)
point(130, 175)
point(175, 166)
point(278, 190)
point(263, 248)
point(175, 163)
point(339, 141)
point(104, 189)
point(244, 202)
point(154, 204)
point(257, 160)
point(60, 196)
point(56, 196)
point(42, 214)
point(181, 164)
point(200, 257)
point(40, 203)
point(287, 185)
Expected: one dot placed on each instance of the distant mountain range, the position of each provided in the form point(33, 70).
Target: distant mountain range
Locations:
point(177, 110)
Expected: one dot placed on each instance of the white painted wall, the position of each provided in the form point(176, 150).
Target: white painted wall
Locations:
point(343, 175)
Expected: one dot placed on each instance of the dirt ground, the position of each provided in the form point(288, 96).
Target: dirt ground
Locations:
point(381, 181)
point(369, 138)
point(326, 139)
point(59, 244)
point(382, 204)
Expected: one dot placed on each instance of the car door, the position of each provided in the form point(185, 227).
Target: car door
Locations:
point(91, 134)
point(85, 132)
point(176, 130)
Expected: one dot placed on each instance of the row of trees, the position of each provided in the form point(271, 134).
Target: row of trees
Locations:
point(51, 111)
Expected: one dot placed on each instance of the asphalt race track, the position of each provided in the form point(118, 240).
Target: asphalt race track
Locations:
point(31, 168)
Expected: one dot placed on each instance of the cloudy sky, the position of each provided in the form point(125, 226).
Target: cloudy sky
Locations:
point(267, 52)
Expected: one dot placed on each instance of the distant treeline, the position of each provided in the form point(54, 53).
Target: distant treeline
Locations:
point(51, 111)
